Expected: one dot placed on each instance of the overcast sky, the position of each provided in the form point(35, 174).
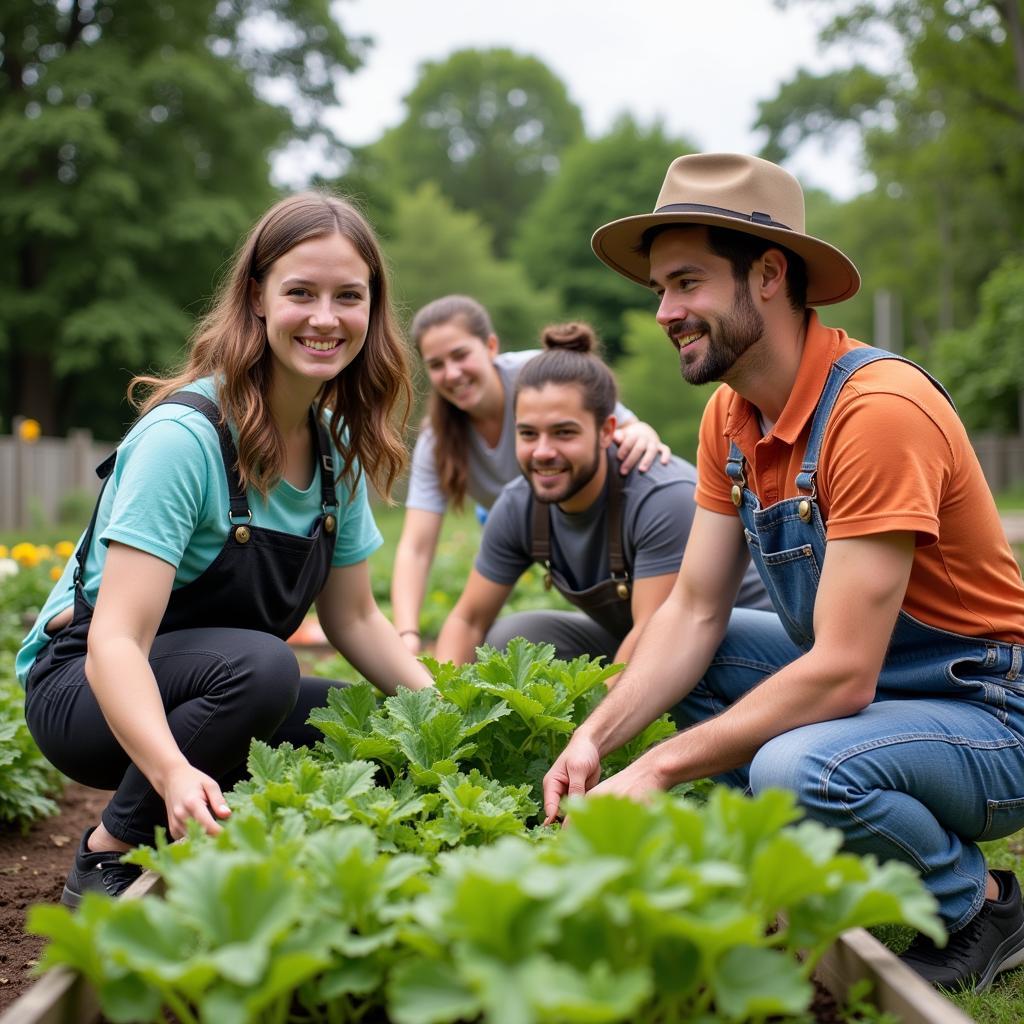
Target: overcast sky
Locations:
point(699, 65)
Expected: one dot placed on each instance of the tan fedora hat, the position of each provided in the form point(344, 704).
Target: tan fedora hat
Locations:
point(734, 191)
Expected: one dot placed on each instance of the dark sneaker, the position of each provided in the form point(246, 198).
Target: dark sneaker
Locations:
point(97, 872)
point(992, 941)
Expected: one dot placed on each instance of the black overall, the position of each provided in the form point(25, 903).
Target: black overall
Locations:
point(607, 602)
point(606, 606)
point(224, 672)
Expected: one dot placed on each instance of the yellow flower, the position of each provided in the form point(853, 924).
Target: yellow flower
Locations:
point(29, 431)
point(25, 554)
point(3, 551)
point(45, 552)
point(55, 572)
point(64, 548)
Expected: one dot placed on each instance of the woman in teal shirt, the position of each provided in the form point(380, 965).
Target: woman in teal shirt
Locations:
point(236, 501)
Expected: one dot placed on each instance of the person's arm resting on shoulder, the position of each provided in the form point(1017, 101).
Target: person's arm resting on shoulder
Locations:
point(413, 558)
point(356, 627)
point(130, 605)
point(473, 615)
point(639, 445)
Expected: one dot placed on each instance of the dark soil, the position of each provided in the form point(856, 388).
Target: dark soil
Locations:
point(32, 870)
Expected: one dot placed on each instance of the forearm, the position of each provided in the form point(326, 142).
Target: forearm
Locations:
point(459, 639)
point(370, 643)
point(408, 586)
point(815, 687)
point(122, 681)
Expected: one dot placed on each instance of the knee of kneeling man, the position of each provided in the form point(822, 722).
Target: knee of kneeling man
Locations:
point(780, 764)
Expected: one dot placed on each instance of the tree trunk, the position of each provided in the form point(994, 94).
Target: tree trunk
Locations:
point(35, 390)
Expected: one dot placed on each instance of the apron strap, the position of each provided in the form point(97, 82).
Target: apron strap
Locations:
point(238, 499)
point(540, 538)
point(328, 491)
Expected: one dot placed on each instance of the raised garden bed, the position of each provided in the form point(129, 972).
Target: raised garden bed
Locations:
point(62, 997)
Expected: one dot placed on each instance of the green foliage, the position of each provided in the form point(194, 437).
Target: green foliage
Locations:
point(636, 913)
point(435, 250)
point(983, 365)
point(488, 127)
point(136, 153)
point(674, 407)
point(27, 781)
point(942, 131)
point(601, 179)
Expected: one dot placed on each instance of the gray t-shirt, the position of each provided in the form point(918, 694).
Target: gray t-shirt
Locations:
point(657, 513)
point(489, 468)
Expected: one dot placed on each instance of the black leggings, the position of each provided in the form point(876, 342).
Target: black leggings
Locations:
point(221, 688)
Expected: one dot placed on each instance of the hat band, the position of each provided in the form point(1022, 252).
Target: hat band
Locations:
point(753, 218)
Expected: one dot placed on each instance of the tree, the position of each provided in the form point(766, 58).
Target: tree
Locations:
point(653, 388)
point(983, 366)
point(436, 250)
point(613, 176)
point(942, 132)
point(135, 154)
point(488, 126)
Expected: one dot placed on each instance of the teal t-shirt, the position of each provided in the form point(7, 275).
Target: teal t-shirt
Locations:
point(168, 496)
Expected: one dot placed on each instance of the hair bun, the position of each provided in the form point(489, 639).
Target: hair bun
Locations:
point(575, 336)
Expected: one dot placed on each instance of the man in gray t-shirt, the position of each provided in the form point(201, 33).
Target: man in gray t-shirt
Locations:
point(563, 513)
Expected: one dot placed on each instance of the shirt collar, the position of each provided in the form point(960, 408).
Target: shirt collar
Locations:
point(821, 348)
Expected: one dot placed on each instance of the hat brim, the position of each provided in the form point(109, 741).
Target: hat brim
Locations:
point(831, 275)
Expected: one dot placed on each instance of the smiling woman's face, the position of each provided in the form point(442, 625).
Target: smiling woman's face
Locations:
point(460, 365)
point(315, 300)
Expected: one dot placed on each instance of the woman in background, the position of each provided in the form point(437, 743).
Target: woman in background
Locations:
point(467, 444)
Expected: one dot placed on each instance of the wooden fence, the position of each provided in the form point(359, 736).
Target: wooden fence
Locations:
point(37, 478)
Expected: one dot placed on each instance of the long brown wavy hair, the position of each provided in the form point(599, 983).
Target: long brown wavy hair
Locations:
point(369, 400)
point(450, 424)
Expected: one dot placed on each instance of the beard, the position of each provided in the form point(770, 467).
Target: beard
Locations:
point(578, 479)
point(735, 332)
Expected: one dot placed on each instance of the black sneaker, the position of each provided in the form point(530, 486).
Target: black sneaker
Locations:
point(992, 941)
point(97, 872)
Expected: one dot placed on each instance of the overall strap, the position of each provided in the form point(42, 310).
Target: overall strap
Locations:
point(540, 537)
point(237, 498)
point(842, 370)
point(328, 492)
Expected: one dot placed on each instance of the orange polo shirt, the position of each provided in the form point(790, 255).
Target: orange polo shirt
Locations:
point(895, 456)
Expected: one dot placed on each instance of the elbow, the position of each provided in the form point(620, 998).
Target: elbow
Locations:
point(854, 692)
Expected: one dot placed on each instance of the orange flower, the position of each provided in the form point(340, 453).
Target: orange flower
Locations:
point(25, 554)
point(29, 431)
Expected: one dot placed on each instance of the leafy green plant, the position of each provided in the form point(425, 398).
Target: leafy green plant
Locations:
point(27, 781)
point(665, 912)
point(386, 874)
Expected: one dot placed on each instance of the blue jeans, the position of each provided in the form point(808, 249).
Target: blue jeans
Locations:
point(920, 780)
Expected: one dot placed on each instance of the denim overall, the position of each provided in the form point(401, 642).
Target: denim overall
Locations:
point(935, 763)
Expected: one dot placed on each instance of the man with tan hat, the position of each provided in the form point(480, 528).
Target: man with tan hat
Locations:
point(888, 693)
